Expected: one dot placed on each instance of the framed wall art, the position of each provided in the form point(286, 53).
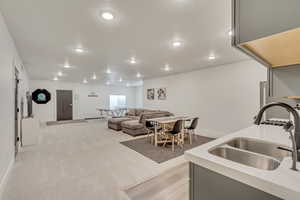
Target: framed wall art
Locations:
point(162, 94)
point(150, 94)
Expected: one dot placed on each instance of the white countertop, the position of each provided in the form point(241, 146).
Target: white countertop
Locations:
point(281, 182)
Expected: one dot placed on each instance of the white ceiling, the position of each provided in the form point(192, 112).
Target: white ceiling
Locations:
point(46, 33)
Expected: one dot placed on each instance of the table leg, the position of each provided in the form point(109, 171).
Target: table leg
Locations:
point(155, 134)
point(182, 132)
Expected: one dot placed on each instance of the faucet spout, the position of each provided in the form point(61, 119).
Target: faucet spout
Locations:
point(290, 109)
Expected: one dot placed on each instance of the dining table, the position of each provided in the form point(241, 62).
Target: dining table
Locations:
point(163, 121)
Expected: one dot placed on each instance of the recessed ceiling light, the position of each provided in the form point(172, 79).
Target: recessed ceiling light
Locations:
point(138, 75)
point(55, 78)
point(94, 77)
point(67, 66)
point(230, 33)
point(85, 81)
point(177, 43)
point(107, 16)
point(120, 80)
point(132, 60)
point(79, 50)
point(108, 71)
point(60, 73)
point(212, 57)
point(167, 68)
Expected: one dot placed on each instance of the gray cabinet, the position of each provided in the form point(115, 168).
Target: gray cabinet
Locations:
point(267, 30)
point(255, 19)
point(208, 185)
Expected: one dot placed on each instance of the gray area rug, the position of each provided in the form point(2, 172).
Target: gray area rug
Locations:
point(161, 154)
point(53, 123)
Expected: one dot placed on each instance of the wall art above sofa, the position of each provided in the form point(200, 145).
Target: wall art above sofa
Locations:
point(161, 93)
point(150, 94)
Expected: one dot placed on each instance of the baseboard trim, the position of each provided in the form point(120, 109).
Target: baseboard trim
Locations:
point(4, 179)
point(91, 118)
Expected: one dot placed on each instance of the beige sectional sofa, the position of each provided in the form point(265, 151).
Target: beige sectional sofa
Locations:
point(132, 114)
point(134, 121)
point(115, 123)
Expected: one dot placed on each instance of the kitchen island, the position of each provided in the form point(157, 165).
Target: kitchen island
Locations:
point(212, 177)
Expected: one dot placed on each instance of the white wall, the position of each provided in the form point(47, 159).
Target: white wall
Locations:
point(139, 96)
point(9, 59)
point(83, 106)
point(225, 98)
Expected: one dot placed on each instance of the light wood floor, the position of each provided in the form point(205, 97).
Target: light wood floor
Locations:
point(81, 161)
point(172, 184)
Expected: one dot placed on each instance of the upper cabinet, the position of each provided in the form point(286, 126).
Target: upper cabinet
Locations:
point(268, 30)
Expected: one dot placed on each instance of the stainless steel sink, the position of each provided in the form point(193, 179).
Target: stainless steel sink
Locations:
point(251, 152)
point(259, 146)
point(246, 158)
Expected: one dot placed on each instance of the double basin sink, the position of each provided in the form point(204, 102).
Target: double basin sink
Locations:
point(251, 152)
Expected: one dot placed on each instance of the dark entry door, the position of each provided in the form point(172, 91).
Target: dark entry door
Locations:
point(64, 102)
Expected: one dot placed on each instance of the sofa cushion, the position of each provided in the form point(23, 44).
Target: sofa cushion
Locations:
point(140, 111)
point(134, 117)
point(135, 132)
point(152, 115)
point(133, 124)
point(119, 120)
point(114, 126)
point(131, 112)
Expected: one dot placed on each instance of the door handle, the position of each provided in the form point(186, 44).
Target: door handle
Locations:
point(71, 104)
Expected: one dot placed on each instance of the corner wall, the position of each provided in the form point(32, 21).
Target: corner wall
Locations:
point(9, 60)
point(225, 98)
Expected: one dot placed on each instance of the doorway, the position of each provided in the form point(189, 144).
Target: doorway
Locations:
point(64, 105)
point(16, 139)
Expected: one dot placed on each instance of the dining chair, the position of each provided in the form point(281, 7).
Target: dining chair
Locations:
point(191, 129)
point(176, 134)
point(150, 126)
point(150, 130)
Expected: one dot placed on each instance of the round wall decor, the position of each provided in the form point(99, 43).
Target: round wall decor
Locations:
point(41, 96)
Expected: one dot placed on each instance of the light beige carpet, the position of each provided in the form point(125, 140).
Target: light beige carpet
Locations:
point(81, 161)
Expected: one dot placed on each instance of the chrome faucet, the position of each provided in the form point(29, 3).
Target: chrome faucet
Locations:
point(289, 127)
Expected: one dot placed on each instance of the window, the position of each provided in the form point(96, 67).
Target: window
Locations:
point(117, 101)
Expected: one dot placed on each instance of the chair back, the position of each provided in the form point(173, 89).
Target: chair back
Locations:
point(178, 126)
point(149, 124)
point(194, 123)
